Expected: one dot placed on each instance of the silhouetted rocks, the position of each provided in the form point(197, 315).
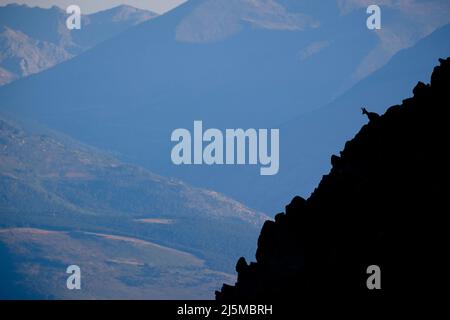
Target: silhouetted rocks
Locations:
point(383, 203)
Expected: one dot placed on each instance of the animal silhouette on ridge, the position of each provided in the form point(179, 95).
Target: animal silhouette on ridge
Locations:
point(371, 115)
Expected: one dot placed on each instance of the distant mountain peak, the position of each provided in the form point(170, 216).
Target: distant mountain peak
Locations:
point(34, 38)
point(218, 19)
point(128, 8)
point(125, 12)
point(22, 55)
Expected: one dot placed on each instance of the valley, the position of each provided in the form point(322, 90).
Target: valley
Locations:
point(132, 268)
point(150, 237)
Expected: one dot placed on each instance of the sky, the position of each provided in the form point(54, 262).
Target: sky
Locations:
point(89, 6)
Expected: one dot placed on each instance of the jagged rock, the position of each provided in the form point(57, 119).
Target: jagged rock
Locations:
point(335, 160)
point(420, 89)
point(296, 206)
point(241, 265)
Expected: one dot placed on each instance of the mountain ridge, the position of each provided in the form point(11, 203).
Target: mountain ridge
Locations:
point(135, 89)
point(383, 203)
point(48, 41)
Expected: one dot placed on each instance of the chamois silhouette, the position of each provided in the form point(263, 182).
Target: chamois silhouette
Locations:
point(371, 115)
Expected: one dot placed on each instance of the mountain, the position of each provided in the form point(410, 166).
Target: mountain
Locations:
point(231, 64)
point(35, 39)
point(384, 204)
point(22, 55)
point(58, 195)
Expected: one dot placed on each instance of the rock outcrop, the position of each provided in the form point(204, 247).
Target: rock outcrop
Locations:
point(383, 203)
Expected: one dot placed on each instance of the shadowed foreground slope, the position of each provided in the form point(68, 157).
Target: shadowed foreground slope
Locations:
point(383, 203)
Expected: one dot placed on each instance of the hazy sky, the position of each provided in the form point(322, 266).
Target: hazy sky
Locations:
point(88, 6)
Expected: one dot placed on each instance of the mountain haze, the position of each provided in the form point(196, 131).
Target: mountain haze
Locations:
point(231, 64)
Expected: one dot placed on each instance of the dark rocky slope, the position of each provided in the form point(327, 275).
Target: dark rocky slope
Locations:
point(383, 203)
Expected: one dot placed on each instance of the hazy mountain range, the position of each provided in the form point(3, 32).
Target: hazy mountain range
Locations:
point(232, 64)
point(34, 39)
